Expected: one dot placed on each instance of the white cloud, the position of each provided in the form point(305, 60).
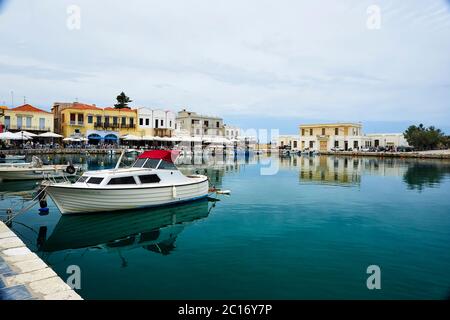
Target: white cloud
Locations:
point(311, 59)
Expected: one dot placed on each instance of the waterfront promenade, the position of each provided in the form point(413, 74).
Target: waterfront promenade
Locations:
point(24, 276)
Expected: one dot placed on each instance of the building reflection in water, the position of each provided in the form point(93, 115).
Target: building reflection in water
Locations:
point(330, 170)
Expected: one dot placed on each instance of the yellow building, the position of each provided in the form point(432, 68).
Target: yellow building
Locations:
point(26, 117)
point(325, 137)
point(94, 123)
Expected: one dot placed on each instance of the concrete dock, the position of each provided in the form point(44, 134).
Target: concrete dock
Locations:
point(24, 276)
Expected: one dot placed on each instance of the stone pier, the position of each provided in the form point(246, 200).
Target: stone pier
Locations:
point(24, 276)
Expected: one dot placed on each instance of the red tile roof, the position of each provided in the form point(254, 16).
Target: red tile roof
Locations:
point(123, 109)
point(83, 106)
point(28, 108)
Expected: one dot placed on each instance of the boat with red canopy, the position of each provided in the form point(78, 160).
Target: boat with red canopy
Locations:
point(153, 180)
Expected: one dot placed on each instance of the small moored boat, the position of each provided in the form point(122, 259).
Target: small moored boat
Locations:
point(153, 180)
point(10, 157)
point(35, 170)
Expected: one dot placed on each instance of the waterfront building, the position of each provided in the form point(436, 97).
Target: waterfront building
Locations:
point(232, 132)
point(387, 140)
point(156, 122)
point(197, 125)
point(325, 137)
point(2, 114)
point(288, 141)
point(25, 117)
point(94, 123)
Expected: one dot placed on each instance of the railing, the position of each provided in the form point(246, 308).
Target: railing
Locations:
point(25, 127)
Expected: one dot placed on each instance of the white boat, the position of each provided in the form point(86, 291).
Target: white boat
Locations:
point(9, 157)
point(153, 180)
point(35, 170)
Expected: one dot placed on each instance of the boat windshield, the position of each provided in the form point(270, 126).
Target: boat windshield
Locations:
point(151, 163)
point(139, 163)
point(146, 163)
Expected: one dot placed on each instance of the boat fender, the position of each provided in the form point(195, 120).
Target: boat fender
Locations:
point(43, 203)
point(223, 191)
point(43, 211)
point(70, 169)
point(174, 192)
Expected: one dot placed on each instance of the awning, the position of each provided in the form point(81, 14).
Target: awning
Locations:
point(166, 155)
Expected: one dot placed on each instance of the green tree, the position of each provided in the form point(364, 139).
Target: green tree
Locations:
point(425, 138)
point(122, 101)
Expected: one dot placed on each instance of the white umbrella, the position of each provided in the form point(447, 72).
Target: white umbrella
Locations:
point(50, 135)
point(130, 137)
point(12, 136)
point(28, 134)
point(148, 138)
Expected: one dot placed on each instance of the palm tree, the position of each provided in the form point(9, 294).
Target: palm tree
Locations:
point(122, 101)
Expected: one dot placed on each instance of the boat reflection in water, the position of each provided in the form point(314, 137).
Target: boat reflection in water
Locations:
point(155, 230)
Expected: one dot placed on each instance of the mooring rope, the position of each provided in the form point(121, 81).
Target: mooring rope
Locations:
point(26, 208)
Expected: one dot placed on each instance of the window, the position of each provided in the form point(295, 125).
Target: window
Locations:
point(147, 122)
point(162, 123)
point(80, 118)
point(124, 121)
point(206, 123)
point(156, 123)
point(95, 180)
point(7, 122)
point(149, 178)
point(336, 131)
point(139, 163)
point(323, 131)
point(336, 144)
point(131, 122)
point(99, 119)
point(122, 180)
point(82, 179)
point(151, 163)
point(141, 121)
point(41, 123)
point(217, 124)
point(310, 132)
point(167, 165)
point(90, 119)
point(303, 132)
point(28, 122)
point(115, 120)
point(170, 124)
point(311, 144)
point(106, 120)
point(72, 118)
point(295, 144)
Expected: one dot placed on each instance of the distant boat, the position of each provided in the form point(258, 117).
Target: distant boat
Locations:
point(9, 157)
point(153, 180)
point(35, 170)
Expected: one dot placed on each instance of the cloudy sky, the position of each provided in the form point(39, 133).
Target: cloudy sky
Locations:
point(257, 63)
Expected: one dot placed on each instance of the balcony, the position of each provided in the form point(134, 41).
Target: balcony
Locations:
point(26, 128)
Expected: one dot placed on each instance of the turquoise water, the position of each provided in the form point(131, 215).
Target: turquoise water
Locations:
point(309, 231)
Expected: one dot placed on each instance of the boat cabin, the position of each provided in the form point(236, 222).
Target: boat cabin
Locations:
point(151, 168)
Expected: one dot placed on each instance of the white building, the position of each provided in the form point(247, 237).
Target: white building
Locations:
point(287, 141)
point(197, 125)
point(156, 122)
point(387, 140)
point(232, 132)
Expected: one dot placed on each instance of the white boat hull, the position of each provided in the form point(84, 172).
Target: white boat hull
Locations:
point(23, 173)
point(70, 200)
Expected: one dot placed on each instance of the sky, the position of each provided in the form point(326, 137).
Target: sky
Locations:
point(256, 63)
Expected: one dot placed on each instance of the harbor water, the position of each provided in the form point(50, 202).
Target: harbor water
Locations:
point(292, 228)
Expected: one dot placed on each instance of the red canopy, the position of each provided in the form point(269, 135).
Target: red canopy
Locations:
point(166, 155)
